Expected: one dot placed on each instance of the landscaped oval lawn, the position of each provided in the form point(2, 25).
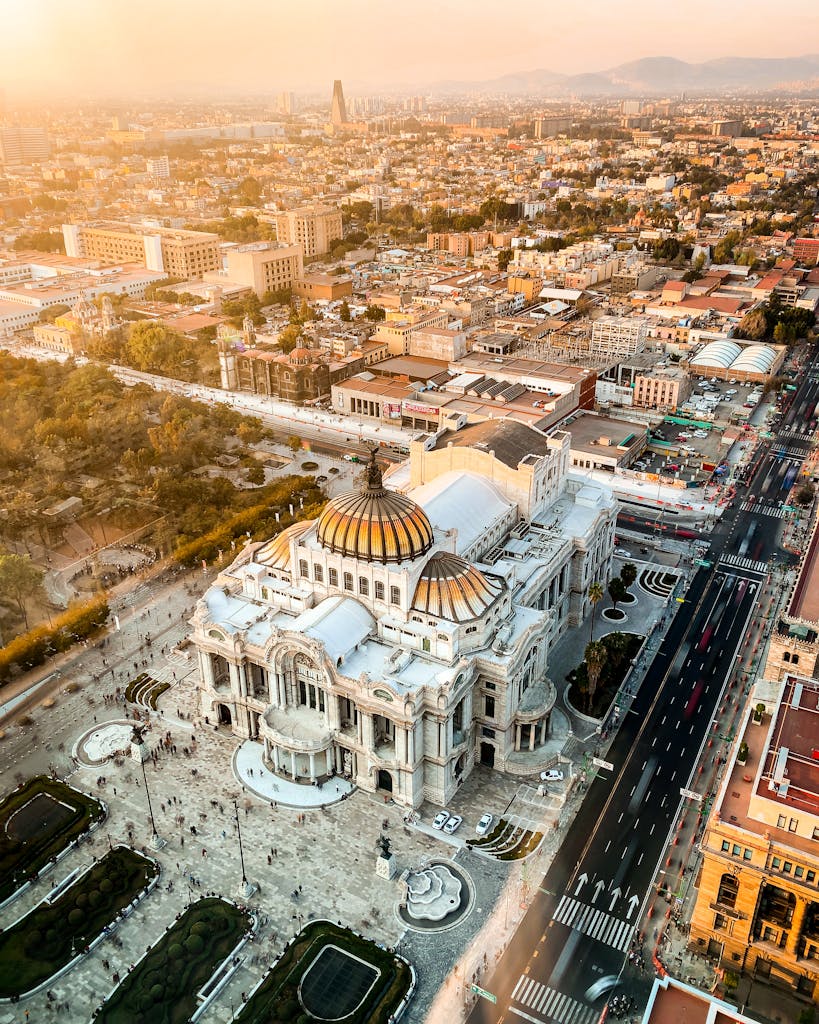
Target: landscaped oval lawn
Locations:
point(162, 987)
point(40, 944)
point(37, 822)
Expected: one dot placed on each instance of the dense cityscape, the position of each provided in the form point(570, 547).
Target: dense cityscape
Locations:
point(409, 562)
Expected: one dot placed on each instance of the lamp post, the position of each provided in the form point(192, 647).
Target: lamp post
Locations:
point(156, 842)
point(246, 889)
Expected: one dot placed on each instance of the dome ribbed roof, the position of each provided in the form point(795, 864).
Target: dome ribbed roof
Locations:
point(374, 524)
point(276, 551)
point(450, 588)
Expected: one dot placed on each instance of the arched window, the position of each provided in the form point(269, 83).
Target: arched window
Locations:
point(363, 586)
point(728, 889)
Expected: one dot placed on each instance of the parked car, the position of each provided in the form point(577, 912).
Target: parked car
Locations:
point(483, 825)
point(552, 775)
point(441, 818)
point(453, 824)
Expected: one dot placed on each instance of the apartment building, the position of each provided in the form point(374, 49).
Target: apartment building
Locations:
point(400, 327)
point(661, 389)
point(183, 254)
point(314, 228)
point(634, 278)
point(757, 908)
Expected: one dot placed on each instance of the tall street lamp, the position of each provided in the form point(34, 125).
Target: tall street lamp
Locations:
point(156, 842)
point(246, 889)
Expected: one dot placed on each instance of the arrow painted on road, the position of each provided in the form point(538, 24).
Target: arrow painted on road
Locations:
point(615, 896)
point(632, 903)
point(581, 881)
point(600, 885)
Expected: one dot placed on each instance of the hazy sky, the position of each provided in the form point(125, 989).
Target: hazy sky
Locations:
point(136, 47)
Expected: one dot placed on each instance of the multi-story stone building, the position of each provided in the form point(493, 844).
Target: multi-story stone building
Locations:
point(757, 908)
point(262, 266)
point(314, 228)
point(182, 254)
point(399, 638)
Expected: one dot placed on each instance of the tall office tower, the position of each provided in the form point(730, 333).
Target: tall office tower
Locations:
point(158, 167)
point(22, 145)
point(286, 103)
point(338, 112)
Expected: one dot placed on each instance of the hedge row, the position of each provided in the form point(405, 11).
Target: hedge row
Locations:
point(258, 520)
point(162, 988)
point(41, 943)
point(32, 648)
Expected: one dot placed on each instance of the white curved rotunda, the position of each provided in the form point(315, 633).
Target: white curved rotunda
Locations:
point(404, 635)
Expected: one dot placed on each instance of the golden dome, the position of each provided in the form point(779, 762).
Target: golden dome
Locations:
point(374, 524)
point(450, 588)
point(275, 552)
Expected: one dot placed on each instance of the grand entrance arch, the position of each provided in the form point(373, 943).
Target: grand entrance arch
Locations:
point(488, 755)
point(384, 781)
point(225, 717)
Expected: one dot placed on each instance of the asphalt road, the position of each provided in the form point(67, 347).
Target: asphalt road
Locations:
point(570, 953)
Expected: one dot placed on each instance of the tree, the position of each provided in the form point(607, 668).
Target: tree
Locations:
point(289, 338)
point(504, 259)
point(617, 591)
point(595, 658)
point(344, 312)
point(628, 574)
point(754, 325)
point(804, 496)
point(294, 443)
point(20, 579)
point(41, 241)
point(156, 348)
point(617, 645)
point(249, 192)
point(375, 313)
point(595, 596)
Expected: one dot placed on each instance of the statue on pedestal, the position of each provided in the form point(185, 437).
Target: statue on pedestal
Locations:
point(385, 864)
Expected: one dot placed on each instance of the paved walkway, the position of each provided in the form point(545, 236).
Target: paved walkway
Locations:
point(255, 776)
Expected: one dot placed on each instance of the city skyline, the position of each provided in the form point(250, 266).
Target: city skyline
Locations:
point(176, 51)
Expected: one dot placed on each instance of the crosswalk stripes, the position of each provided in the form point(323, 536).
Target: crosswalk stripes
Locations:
point(597, 924)
point(549, 1004)
point(791, 454)
point(744, 563)
point(764, 510)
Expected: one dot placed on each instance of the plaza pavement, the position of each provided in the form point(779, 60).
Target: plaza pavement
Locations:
point(330, 854)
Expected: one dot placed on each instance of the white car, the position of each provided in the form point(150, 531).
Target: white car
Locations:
point(483, 825)
point(441, 818)
point(453, 824)
point(552, 775)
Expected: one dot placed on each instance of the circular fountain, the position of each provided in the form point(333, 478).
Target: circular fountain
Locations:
point(438, 896)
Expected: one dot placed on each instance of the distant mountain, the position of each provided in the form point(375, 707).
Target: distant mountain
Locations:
point(658, 76)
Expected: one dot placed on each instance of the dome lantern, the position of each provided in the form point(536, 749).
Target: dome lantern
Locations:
point(374, 524)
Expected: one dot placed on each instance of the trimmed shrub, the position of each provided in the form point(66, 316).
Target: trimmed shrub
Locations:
point(175, 951)
point(106, 885)
point(194, 944)
point(75, 916)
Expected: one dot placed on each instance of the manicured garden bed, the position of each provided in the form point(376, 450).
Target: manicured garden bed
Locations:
point(337, 974)
point(162, 987)
point(621, 648)
point(37, 822)
point(40, 944)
